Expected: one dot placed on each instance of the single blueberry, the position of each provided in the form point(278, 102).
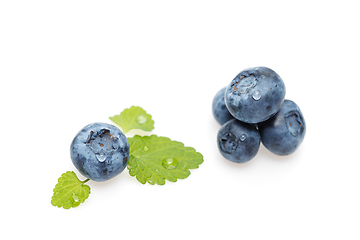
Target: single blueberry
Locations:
point(283, 133)
point(255, 95)
point(238, 141)
point(219, 109)
point(100, 151)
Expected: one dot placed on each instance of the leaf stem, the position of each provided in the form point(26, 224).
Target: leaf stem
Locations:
point(85, 181)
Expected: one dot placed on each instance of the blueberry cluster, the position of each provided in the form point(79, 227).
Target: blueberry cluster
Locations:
point(253, 109)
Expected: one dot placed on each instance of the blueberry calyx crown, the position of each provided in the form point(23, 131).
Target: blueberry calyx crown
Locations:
point(244, 83)
point(293, 122)
point(102, 143)
point(229, 142)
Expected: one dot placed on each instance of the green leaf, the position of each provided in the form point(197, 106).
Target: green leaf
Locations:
point(155, 159)
point(134, 118)
point(69, 191)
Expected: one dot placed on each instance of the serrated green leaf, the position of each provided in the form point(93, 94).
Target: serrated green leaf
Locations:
point(134, 118)
point(69, 191)
point(155, 159)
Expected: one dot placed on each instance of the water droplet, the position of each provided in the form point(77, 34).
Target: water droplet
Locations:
point(243, 137)
point(141, 119)
point(100, 156)
point(115, 146)
point(169, 163)
point(256, 95)
point(75, 200)
point(145, 148)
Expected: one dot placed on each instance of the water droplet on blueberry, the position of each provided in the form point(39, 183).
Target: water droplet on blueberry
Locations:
point(256, 95)
point(141, 119)
point(169, 163)
point(115, 146)
point(101, 157)
point(243, 137)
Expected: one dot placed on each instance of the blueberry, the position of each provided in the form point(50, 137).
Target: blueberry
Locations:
point(219, 109)
point(238, 141)
point(255, 95)
point(100, 151)
point(283, 133)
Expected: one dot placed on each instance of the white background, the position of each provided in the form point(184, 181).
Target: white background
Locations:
point(64, 64)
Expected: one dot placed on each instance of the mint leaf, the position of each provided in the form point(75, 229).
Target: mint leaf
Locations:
point(133, 118)
point(155, 159)
point(70, 191)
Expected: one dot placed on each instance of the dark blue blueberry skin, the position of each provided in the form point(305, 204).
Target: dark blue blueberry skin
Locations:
point(255, 95)
point(283, 133)
point(219, 109)
point(100, 151)
point(238, 141)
